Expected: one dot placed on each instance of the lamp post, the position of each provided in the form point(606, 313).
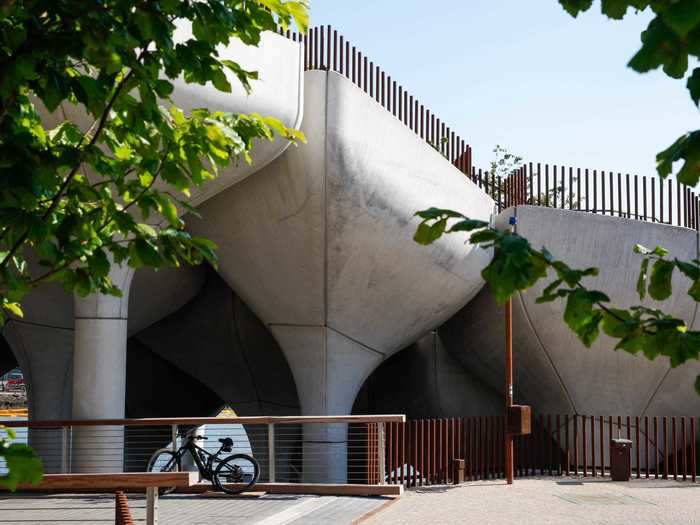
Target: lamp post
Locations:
point(509, 389)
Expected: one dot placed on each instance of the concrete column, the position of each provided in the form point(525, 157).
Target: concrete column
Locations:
point(99, 375)
point(329, 370)
point(44, 353)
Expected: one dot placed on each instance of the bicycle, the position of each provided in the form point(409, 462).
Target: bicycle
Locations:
point(239, 469)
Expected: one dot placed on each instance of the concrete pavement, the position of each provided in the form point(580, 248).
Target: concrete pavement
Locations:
point(546, 501)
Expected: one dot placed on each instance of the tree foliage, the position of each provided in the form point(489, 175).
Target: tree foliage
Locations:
point(96, 161)
point(23, 464)
point(671, 41)
point(517, 266)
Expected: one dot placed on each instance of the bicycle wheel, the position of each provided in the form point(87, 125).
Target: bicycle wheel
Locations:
point(164, 460)
point(236, 474)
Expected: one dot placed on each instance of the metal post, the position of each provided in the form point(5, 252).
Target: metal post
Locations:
point(509, 388)
point(381, 452)
point(65, 450)
point(152, 506)
point(173, 437)
point(271, 450)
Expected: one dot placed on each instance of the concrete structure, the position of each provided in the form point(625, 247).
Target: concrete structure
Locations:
point(319, 284)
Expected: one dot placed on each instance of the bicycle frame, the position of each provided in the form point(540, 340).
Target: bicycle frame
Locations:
point(197, 453)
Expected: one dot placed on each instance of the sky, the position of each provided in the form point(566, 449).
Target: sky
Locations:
point(525, 75)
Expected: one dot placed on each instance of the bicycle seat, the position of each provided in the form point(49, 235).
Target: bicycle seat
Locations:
point(227, 442)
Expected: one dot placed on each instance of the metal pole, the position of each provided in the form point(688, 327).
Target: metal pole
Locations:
point(509, 388)
point(271, 451)
point(381, 452)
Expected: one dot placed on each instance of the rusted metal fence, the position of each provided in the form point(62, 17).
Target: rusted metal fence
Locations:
point(423, 452)
point(594, 191)
point(325, 49)
point(554, 186)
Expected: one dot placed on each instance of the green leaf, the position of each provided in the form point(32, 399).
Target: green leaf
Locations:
point(23, 465)
point(574, 7)
point(642, 279)
point(682, 16)
point(660, 281)
point(693, 85)
point(467, 225)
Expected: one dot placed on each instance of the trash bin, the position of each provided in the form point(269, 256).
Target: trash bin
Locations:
point(620, 459)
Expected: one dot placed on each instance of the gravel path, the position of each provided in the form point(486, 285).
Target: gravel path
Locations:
point(569, 501)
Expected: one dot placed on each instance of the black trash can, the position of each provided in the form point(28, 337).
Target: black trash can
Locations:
point(620, 459)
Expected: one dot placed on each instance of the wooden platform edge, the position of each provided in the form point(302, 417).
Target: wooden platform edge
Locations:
point(112, 481)
point(320, 489)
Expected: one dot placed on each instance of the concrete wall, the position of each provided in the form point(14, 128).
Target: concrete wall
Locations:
point(554, 371)
point(426, 381)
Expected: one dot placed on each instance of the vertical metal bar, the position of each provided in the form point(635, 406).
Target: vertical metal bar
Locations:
point(414, 462)
point(646, 445)
point(335, 49)
point(588, 195)
point(575, 444)
point(567, 450)
point(546, 185)
point(619, 194)
point(637, 445)
point(383, 96)
point(403, 453)
point(601, 431)
point(549, 426)
point(584, 450)
point(595, 191)
point(271, 451)
point(65, 449)
point(558, 450)
point(173, 438)
point(328, 50)
point(354, 66)
point(381, 451)
point(390, 453)
point(612, 197)
point(661, 200)
point(371, 79)
point(593, 446)
point(674, 447)
point(554, 169)
point(665, 430)
point(656, 447)
point(433, 452)
point(152, 506)
point(684, 445)
point(628, 195)
point(364, 74)
point(693, 450)
point(602, 186)
point(653, 200)
point(343, 56)
point(636, 197)
point(670, 201)
point(422, 451)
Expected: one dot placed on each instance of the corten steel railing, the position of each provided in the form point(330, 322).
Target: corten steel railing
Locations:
point(422, 452)
point(594, 191)
point(287, 448)
point(325, 49)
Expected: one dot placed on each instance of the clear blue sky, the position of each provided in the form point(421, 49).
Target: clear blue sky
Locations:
point(523, 74)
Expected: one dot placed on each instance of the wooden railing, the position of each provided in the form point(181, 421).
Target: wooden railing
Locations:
point(422, 452)
point(281, 445)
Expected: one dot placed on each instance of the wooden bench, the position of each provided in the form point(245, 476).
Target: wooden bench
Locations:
point(150, 481)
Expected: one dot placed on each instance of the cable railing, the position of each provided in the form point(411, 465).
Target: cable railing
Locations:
point(288, 450)
point(325, 49)
point(432, 451)
point(594, 191)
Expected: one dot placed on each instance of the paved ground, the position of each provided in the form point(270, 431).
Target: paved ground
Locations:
point(546, 501)
point(188, 509)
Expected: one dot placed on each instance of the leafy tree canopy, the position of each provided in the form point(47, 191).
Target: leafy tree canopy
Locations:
point(76, 197)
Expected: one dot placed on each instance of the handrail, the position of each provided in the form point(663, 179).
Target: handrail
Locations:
point(326, 50)
point(594, 191)
point(254, 420)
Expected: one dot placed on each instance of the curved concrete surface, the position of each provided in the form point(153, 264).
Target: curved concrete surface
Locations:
point(553, 370)
point(426, 381)
point(319, 244)
point(216, 340)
